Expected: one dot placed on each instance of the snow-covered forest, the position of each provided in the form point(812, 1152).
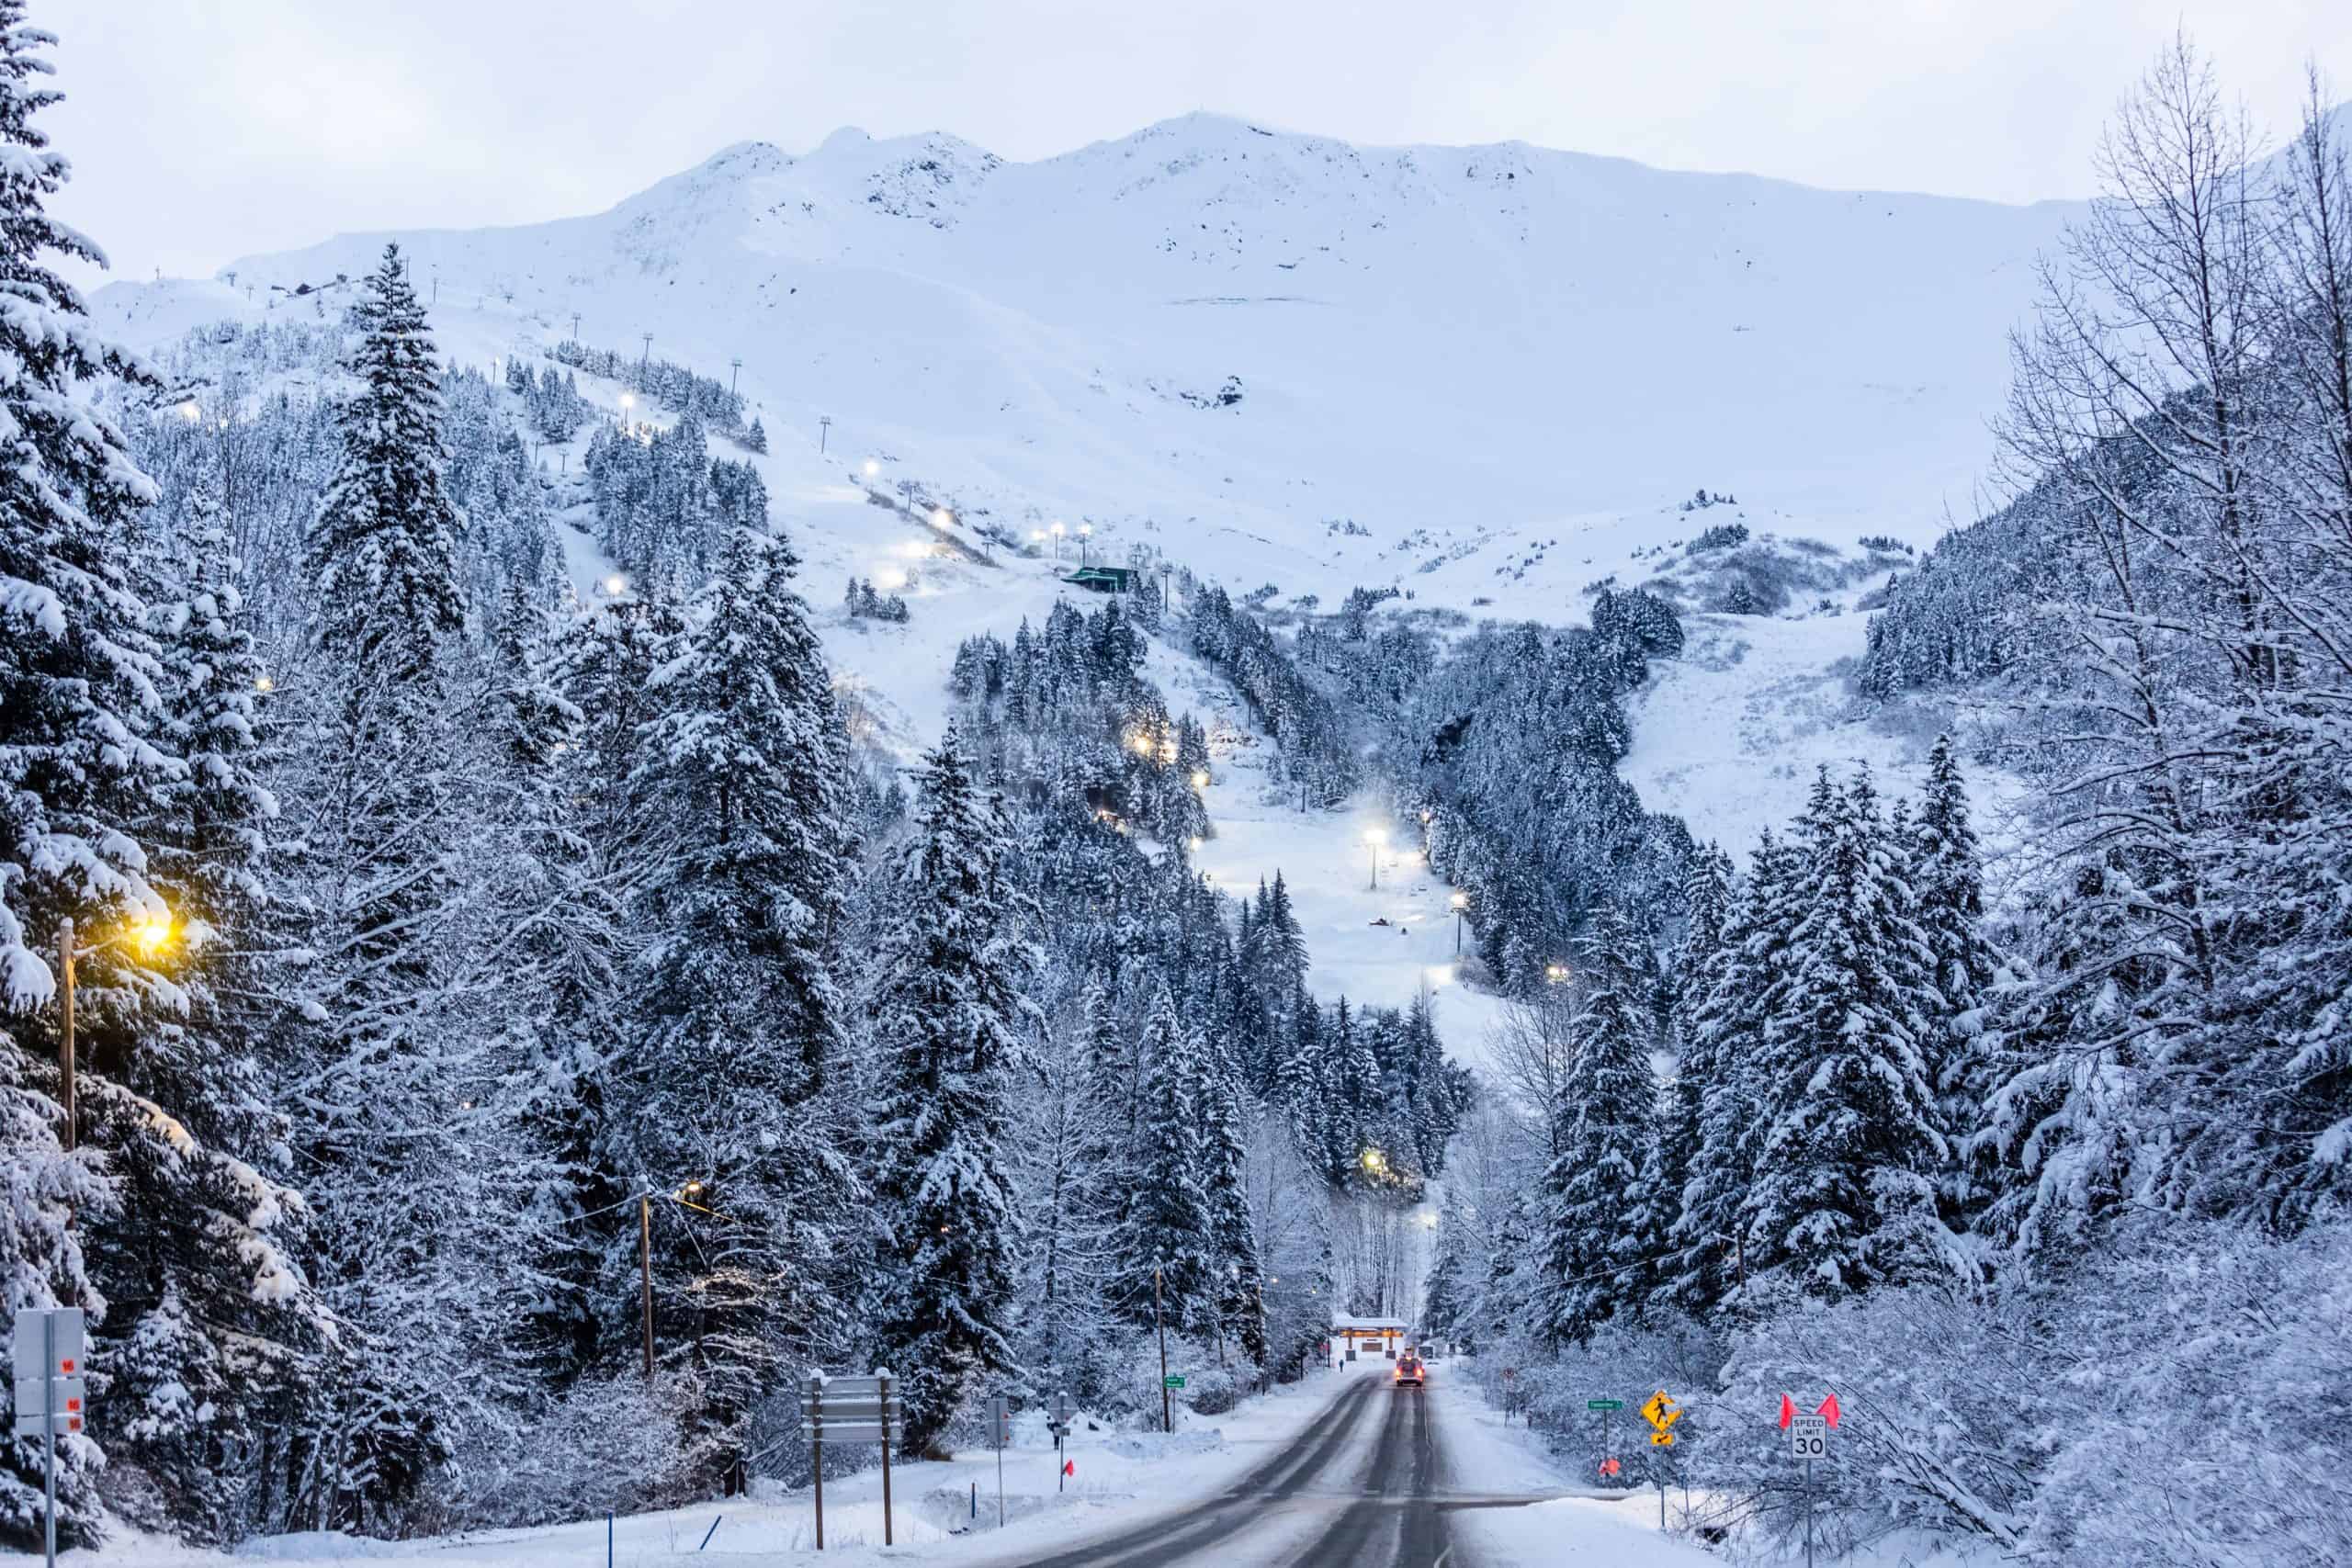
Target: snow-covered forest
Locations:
point(522, 1029)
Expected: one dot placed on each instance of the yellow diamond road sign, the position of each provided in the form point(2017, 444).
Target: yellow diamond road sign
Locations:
point(1661, 1413)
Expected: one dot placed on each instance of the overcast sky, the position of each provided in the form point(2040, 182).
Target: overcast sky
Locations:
point(202, 130)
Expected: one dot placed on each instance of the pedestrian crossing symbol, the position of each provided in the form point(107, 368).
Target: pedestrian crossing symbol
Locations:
point(1661, 1413)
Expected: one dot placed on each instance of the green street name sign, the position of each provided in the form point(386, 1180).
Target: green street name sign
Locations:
point(1604, 1404)
point(1174, 1380)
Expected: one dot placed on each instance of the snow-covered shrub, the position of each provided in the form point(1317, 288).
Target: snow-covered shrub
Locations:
point(1213, 1391)
point(2181, 1401)
point(608, 1443)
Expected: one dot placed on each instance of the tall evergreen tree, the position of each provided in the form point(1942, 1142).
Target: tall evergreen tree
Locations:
point(1169, 1225)
point(1852, 1144)
point(80, 763)
point(736, 797)
point(1595, 1229)
point(948, 1019)
point(384, 550)
point(1721, 1032)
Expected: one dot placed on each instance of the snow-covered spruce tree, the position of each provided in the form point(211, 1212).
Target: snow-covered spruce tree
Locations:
point(405, 1137)
point(1168, 1227)
point(1233, 1242)
point(383, 554)
point(1946, 885)
point(79, 765)
point(948, 1017)
point(1594, 1207)
point(1854, 1148)
point(1722, 1035)
point(1706, 897)
point(741, 825)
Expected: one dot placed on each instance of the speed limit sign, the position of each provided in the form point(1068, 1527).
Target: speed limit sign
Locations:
point(1809, 1436)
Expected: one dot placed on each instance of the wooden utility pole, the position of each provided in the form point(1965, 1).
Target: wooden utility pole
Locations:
point(645, 1272)
point(1166, 1424)
point(65, 1040)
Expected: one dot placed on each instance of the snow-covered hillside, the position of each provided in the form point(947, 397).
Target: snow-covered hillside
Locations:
point(1487, 376)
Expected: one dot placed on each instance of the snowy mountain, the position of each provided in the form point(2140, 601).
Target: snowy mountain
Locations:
point(1487, 375)
point(1460, 345)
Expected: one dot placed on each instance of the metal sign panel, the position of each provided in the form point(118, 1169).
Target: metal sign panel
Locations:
point(848, 1387)
point(1809, 1436)
point(32, 1413)
point(848, 1432)
point(1000, 1421)
point(68, 1340)
point(1063, 1408)
point(857, 1409)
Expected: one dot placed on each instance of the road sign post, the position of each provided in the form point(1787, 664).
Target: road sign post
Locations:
point(1808, 1440)
point(46, 1356)
point(1603, 1411)
point(1000, 1436)
point(849, 1410)
point(1059, 1426)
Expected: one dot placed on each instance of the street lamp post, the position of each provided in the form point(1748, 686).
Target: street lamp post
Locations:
point(1085, 532)
point(1057, 530)
point(151, 932)
point(1459, 902)
point(1373, 838)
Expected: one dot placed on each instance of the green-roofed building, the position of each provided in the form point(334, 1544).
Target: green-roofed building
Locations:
point(1105, 578)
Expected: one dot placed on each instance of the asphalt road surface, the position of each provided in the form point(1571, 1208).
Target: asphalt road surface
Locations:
point(1363, 1486)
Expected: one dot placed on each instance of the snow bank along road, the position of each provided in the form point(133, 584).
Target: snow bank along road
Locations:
point(1369, 1484)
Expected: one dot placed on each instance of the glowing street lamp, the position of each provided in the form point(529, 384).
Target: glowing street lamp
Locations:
point(615, 585)
point(1085, 532)
point(628, 401)
point(151, 931)
point(1460, 901)
point(1376, 1164)
point(1056, 530)
point(189, 412)
point(263, 684)
point(1556, 973)
point(1374, 838)
point(1201, 779)
point(941, 517)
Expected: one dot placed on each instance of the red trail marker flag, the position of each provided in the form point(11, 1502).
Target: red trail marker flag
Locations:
point(1788, 1411)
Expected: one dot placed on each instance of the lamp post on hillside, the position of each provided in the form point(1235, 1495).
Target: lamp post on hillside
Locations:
point(1460, 901)
point(1085, 532)
point(1374, 838)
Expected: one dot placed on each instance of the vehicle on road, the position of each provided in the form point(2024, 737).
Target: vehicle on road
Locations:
point(1408, 1371)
